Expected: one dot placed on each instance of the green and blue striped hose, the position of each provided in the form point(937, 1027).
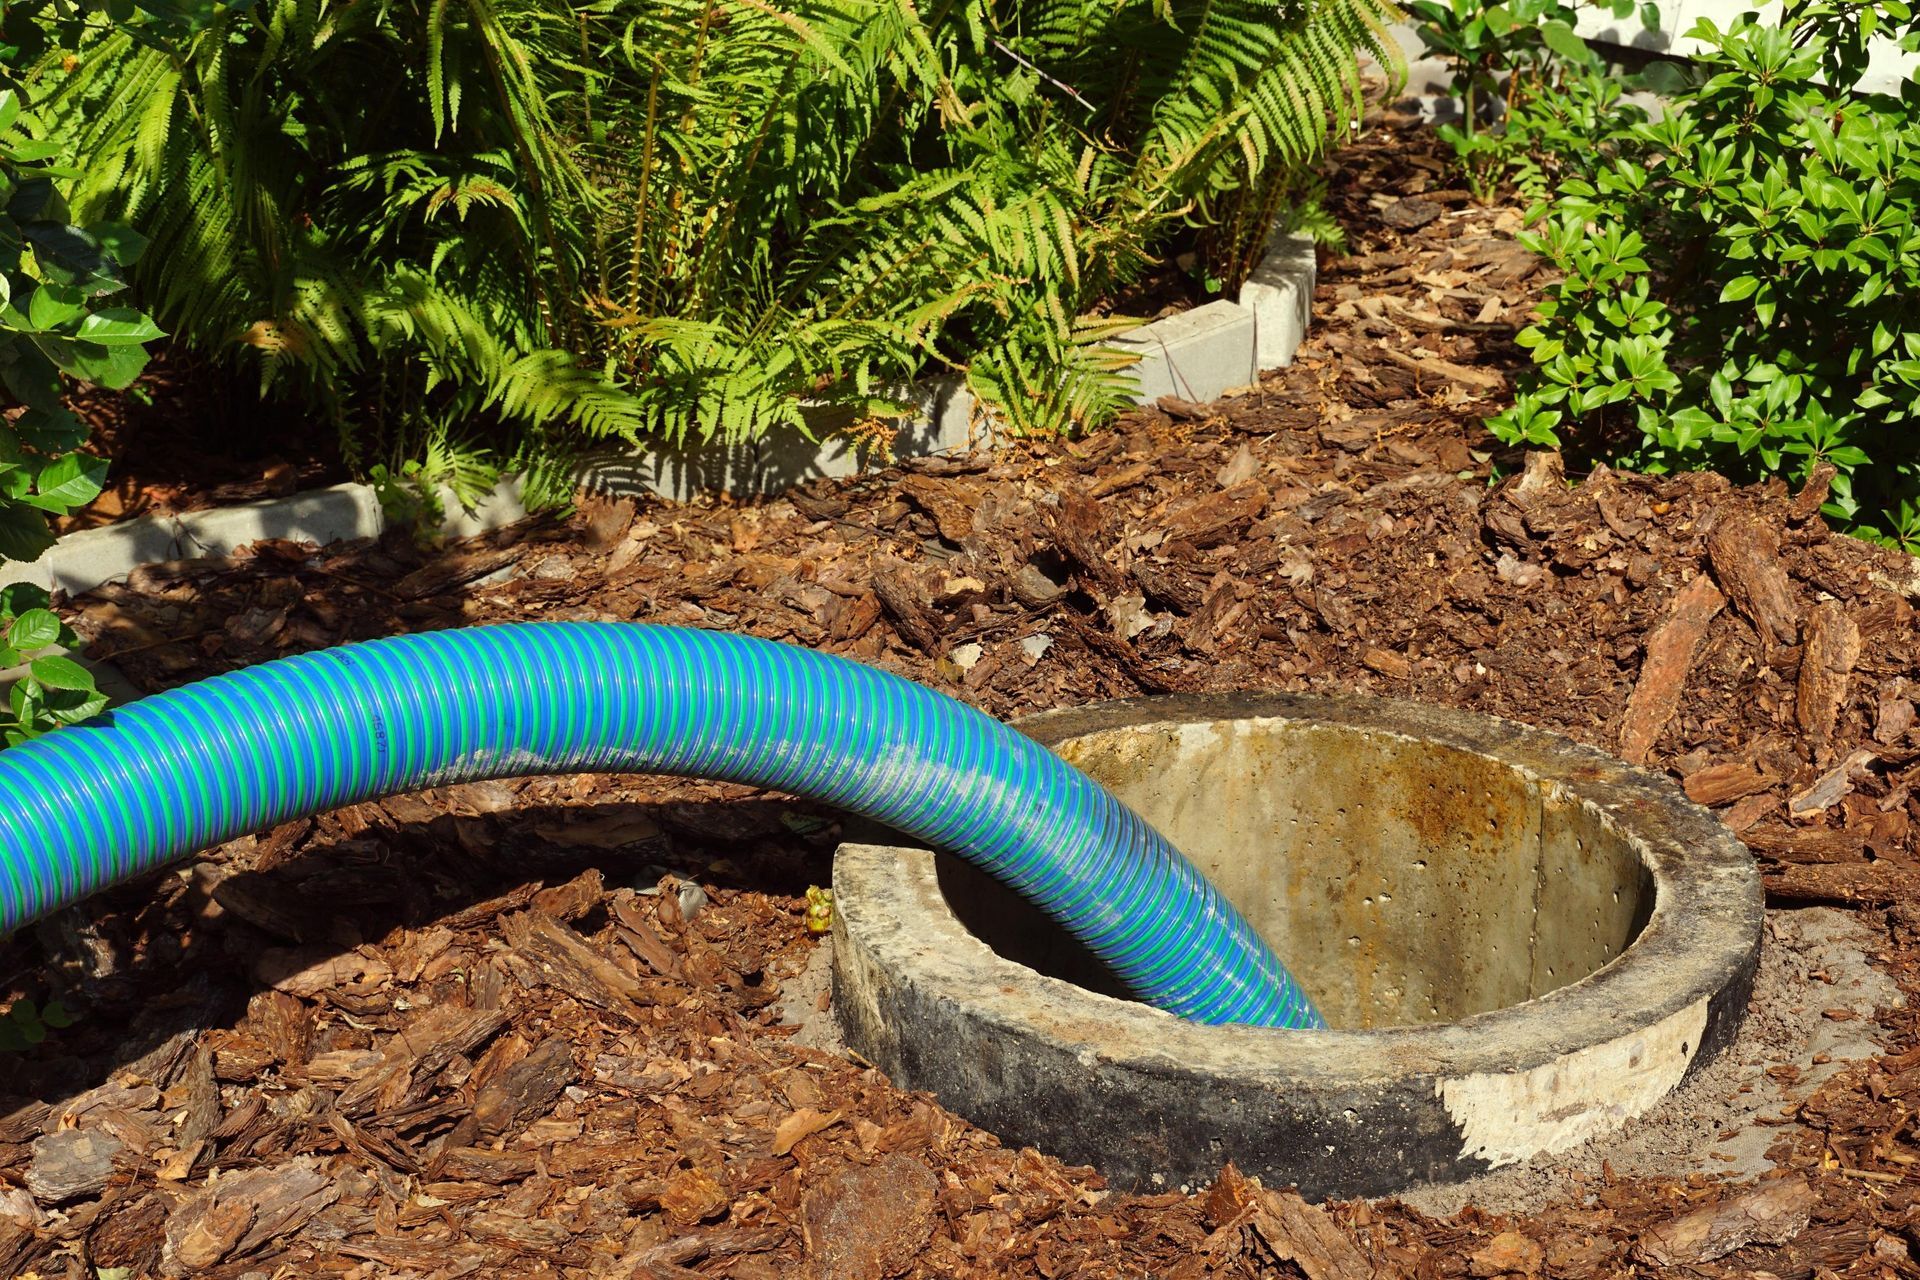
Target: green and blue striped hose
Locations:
point(162, 777)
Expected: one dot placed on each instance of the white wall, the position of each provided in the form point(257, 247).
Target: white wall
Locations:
point(1889, 66)
point(1888, 69)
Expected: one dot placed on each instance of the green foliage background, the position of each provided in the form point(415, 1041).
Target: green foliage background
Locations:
point(680, 219)
point(1741, 282)
point(57, 274)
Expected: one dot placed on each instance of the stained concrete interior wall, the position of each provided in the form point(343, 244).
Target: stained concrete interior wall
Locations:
point(1401, 881)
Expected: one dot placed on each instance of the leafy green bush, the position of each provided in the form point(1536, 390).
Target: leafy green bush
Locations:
point(1516, 66)
point(53, 276)
point(1741, 275)
point(55, 690)
point(686, 219)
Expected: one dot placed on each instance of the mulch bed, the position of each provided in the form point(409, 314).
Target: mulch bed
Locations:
point(533, 1028)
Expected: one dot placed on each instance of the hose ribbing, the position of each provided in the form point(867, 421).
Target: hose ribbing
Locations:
point(167, 775)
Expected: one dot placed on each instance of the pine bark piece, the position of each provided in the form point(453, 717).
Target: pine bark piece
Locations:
point(1745, 554)
point(1137, 669)
point(212, 1235)
point(1813, 495)
point(671, 1257)
point(453, 571)
point(420, 1049)
point(70, 1163)
point(871, 1223)
point(526, 1090)
point(568, 962)
point(693, 1195)
point(1209, 519)
point(307, 971)
point(640, 937)
point(1307, 1236)
point(1508, 1253)
point(851, 618)
point(243, 1211)
point(283, 1024)
point(1831, 787)
point(516, 1231)
point(1385, 661)
point(1440, 372)
point(1826, 667)
point(951, 503)
point(1122, 480)
point(1170, 586)
point(1079, 529)
point(803, 1123)
point(1866, 884)
point(1894, 714)
point(201, 1110)
point(267, 904)
point(1663, 675)
point(892, 583)
point(1805, 844)
point(1719, 784)
point(129, 1237)
point(584, 892)
point(1771, 1213)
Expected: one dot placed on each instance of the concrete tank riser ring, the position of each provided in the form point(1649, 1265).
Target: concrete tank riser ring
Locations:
point(1520, 942)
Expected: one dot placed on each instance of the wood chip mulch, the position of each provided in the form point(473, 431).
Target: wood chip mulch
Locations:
point(536, 1028)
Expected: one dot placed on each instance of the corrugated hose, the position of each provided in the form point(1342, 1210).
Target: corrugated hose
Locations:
point(160, 778)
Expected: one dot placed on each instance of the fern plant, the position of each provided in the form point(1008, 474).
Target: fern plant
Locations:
point(523, 224)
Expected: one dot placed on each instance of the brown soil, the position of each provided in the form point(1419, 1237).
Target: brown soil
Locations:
point(475, 1032)
point(189, 437)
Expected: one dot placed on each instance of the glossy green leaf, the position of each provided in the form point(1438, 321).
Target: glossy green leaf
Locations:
point(61, 673)
point(52, 306)
point(71, 481)
point(34, 629)
point(118, 327)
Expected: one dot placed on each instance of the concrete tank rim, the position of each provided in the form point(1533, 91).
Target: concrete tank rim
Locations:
point(1701, 937)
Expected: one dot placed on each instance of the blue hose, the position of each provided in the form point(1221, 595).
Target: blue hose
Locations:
point(157, 779)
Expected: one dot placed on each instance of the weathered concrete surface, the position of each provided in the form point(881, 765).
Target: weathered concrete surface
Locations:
point(1279, 293)
point(1195, 355)
point(1458, 893)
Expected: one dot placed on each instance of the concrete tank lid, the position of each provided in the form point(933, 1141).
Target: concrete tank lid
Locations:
point(1701, 937)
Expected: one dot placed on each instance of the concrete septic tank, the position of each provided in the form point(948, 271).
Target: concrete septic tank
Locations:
point(1520, 943)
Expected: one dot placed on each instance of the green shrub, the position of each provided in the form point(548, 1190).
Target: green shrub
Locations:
point(1742, 276)
point(55, 690)
point(684, 219)
point(55, 272)
point(1517, 68)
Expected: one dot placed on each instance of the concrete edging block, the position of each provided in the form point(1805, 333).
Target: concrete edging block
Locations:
point(1280, 295)
point(1195, 355)
point(942, 423)
point(82, 561)
point(504, 506)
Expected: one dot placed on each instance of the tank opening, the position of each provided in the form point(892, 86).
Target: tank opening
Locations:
point(1401, 881)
